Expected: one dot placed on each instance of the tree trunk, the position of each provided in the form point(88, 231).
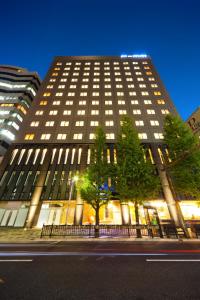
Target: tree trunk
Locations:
point(97, 222)
point(137, 219)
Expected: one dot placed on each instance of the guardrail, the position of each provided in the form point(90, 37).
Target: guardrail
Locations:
point(101, 230)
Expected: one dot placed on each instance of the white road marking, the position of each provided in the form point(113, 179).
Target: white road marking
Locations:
point(173, 260)
point(16, 260)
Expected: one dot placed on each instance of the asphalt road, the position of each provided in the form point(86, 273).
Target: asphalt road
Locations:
point(100, 270)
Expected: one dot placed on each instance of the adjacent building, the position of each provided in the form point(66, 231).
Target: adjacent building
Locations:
point(194, 122)
point(18, 87)
point(37, 184)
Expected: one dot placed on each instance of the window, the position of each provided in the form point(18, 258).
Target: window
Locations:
point(85, 80)
point(108, 102)
point(119, 86)
point(69, 102)
point(144, 93)
point(95, 102)
point(94, 123)
point(49, 124)
point(72, 86)
point(56, 103)
point(79, 123)
point(148, 73)
point(110, 136)
point(109, 112)
point(49, 86)
point(121, 102)
point(45, 136)
point(120, 93)
point(39, 112)
point(154, 85)
point(61, 136)
point(65, 74)
point(117, 79)
point(83, 94)
point(160, 101)
point(158, 136)
point(147, 102)
point(164, 111)
point(139, 123)
point(92, 136)
point(140, 79)
point(62, 86)
point(78, 136)
point(53, 112)
point(63, 79)
point(122, 112)
point(130, 86)
point(129, 79)
point(107, 86)
point(83, 102)
point(59, 94)
point(157, 93)
point(29, 136)
point(52, 80)
point(67, 112)
point(151, 79)
point(109, 123)
point(95, 86)
point(95, 94)
point(96, 79)
point(84, 86)
point(150, 111)
point(134, 102)
point(136, 111)
point(132, 93)
point(71, 94)
point(94, 112)
point(74, 80)
point(142, 136)
point(64, 123)
point(47, 94)
point(34, 124)
point(81, 112)
point(154, 123)
point(142, 86)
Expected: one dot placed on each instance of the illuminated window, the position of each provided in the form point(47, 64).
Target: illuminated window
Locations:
point(139, 123)
point(140, 79)
point(49, 124)
point(95, 94)
point(77, 136)
point(134, 102)
point(95, 102)
point(142, 86)
point(94, 123)
point(130, 86)
point(61, 136)
point(120, 93)
point(109, 123)
point(132, 94)
point(39, 112)
point(110, 136)
point(119, 86)
point(108, 102)
point(52, 80)
point(85, 79)
point(47, 94)
point(157, 93)
point(72, 86)
point(84, 86)
point(62, 86)
point(160, 101)
point(95, 86)
point(53, 112)
point(158, 136)
point(67, 112)
point(92, 136)
point(109, 112)
point(154, 123)
point(135, 63)
point(144, 93)
point(49, 86)
point(45, 136)
point(71, 94)
point(148, 73)
point(150, 111)
point(164, 111)
point(34, 124)
point(63, 79)
point(56, 103)
point(94, 112)
point(64, 123)
point(147, 102)
point(82, 102)
point(121, 102)
point(29, 136)
point(142, 136)
point(65, 74)
point(154, 85)
point(122, 112)
point(59, 94)
point(96, 79)
point(107, 86)
point(151, 79)
point(136, 111)
point(117, 79)
point(129, 79)
point(79, 123)
point(81, 112)
point(69, 102)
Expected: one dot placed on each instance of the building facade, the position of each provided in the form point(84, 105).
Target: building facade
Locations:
point(18, 87)
point(37, 183)
point(194, 122)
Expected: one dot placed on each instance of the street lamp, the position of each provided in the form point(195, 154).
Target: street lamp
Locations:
point(73, 180)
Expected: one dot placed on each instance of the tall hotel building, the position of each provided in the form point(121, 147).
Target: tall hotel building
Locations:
point(78, 94)
point(18, 87)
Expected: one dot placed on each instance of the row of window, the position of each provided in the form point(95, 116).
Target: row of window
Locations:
point(97, 112)
point(97, 86)
point(97, 79)
point(78, 63)
point(79, 136)
point(95, 94)
point(92, 123)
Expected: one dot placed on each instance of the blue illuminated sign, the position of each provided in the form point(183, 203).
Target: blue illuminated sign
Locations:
point(134, 56)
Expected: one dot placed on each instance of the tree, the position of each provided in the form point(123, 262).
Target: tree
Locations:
point(93, 186)
point(136, 178)
point(184, 153)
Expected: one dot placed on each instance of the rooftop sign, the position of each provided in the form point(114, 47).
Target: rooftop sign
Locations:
point(134, 56)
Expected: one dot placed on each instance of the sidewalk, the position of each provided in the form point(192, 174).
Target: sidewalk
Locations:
point(20, 235)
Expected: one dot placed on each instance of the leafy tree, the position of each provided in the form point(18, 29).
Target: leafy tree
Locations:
point(184, 153)
point(93, 187)
point(136, 177)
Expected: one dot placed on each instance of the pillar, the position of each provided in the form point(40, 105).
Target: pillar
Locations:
point(125, 214)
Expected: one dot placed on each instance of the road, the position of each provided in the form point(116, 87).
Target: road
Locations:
point(100, 270)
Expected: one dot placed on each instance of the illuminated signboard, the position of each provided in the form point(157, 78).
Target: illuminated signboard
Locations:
point(134, 56)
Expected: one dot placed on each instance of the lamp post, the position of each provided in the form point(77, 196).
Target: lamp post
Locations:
point(73, 180)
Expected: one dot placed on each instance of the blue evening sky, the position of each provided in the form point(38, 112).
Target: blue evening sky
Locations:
point(33, 32)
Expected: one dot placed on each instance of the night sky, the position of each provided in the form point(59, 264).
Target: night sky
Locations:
point(33, 32)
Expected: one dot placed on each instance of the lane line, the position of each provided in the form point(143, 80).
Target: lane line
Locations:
point(16, 260)
point(173, 260)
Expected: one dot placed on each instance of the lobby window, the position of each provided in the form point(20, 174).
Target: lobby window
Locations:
point(134, 102)
point(108, 102)
point(158, 136)
point(64, 123)
point(61, 86)
point(142, 136)
point(79, 123)
point(34, 124)
point(29, 136)
point(147, 102)
point(136, 111)
point(157, 93)
point(94, 123)
point(132, 94)
point(95, 102)
point(61, 136)
point(121, 102)
point(67, 112)
point(49, 124)
point(164, 111)
point(45, 136)
point(59, 94)
point(81, 112)
point(109, 112)
point(56, 103)
point(94, 112)
point(122, 112)
point(110, 136)
point(95, 94)
point(82, 102)
point(154, 123)
point(150, 111)
point(144, 93)
point(39, 112)
point(139, 123)
point(53, 112)
point(77, 136)
point(69, 102)
point(71, 94)
point(109, 123)
point(160, 101)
